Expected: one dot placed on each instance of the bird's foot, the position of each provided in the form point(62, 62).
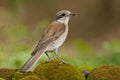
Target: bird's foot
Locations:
point(51, 59)
point(57, 58)
point(63, 62)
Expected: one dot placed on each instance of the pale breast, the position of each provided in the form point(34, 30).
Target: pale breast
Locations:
point(62, 38)
point(57, 43)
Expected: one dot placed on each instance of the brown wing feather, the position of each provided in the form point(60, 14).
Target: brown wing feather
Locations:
point(51, 33)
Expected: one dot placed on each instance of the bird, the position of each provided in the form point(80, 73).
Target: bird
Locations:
point(51, 39)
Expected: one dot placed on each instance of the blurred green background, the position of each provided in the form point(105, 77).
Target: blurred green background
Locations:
point(93, 37)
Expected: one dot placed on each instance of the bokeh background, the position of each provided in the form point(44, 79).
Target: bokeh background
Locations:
point(93, 36)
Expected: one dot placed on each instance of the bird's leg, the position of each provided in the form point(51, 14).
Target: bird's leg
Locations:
point(47, 55)
point(57, 56)
point(49, 59)
point(55, 52)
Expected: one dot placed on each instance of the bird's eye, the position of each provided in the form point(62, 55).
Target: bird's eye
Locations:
point(63, 14)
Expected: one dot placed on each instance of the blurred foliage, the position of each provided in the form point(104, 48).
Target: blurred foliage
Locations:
point(109, 54)
point(112, 51)
point(15, 43)
point(16, 5)
point(19, 40)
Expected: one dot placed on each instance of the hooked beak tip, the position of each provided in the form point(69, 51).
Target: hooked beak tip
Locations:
point(72, 14)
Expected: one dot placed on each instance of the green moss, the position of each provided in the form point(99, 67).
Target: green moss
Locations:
point(86, 68)
point(27, 76)
point(105, 72)
point(7, 73)
point(2, 79)
point(55, 70)
point(20, 75)
point(32, 77)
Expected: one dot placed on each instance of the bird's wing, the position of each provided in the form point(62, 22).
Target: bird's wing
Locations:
point(52, 32)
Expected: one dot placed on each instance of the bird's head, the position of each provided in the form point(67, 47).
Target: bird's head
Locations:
point(64, 16)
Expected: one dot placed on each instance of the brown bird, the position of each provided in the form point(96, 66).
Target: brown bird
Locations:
point(51, 39)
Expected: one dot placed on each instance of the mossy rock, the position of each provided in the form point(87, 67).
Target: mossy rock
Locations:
point(85, 70)
point(105, 72)
point(27, 76)
point(57, 70)
point(7, 73)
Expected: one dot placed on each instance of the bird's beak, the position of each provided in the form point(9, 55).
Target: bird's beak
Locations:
point(72, 14)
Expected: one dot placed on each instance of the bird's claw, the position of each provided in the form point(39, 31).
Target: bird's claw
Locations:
point(63, 62)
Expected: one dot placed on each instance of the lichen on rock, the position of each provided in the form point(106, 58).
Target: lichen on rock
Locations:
point(57, 70)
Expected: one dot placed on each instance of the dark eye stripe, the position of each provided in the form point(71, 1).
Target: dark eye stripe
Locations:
point(63, 14)
point(60, 16)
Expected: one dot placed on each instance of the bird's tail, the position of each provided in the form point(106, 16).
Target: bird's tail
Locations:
point(31, 62)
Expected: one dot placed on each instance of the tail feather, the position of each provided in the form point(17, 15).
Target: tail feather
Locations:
point(31, 62)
